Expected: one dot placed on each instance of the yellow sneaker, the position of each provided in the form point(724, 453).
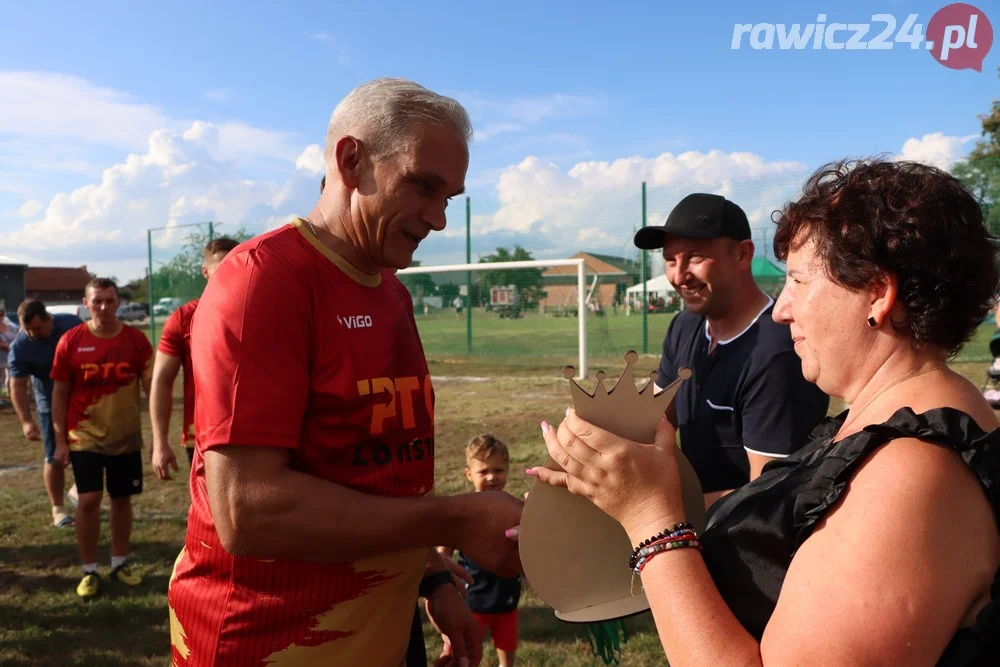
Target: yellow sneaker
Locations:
point(124, 574)
point(87, 588)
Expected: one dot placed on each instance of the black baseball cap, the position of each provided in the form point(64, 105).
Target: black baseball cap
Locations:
point(697, 216)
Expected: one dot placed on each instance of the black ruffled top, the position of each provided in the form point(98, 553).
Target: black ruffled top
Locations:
point(753, 532)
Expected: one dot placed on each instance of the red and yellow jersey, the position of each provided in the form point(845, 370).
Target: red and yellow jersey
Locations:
point(175, 341)
point(295, 348)
point(104, 375)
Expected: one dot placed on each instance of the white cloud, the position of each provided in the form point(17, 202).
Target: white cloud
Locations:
point(935, 149)
point(179, 179)
point(495, 115)
point(596, 205)
point(491, 130)
point(45, 106)
point(319, 36)
point(30, 208)
point(530, 109)
point(556, 105)
point(234, 140)
point(533, 193)
point(56, 105)
point(312, 159)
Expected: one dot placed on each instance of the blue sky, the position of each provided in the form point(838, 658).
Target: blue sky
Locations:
point(218, 104)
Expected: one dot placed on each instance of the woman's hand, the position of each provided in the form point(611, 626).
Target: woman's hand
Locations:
point(638, 485)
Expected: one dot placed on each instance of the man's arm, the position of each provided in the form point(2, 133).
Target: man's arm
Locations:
point(60, 408)
point(161, 396)
point(19, 395)
point(161, 402)
point(262, 507)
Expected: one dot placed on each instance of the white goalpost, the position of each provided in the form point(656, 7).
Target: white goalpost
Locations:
point(581, 289)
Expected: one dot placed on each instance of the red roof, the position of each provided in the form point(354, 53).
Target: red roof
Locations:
point(55, 279)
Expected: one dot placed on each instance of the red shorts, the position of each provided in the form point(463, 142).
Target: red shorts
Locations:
point(502, 627)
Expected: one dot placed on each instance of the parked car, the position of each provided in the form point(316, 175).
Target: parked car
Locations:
point(167, 305)
point(133, 312)
point(77, 309)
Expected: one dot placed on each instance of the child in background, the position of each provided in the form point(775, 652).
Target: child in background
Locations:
point(492, 599)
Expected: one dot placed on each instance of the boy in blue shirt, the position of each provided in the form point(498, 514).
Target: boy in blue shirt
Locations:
point(492, 599)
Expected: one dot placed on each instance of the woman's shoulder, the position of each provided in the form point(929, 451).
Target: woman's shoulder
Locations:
point(936, 472)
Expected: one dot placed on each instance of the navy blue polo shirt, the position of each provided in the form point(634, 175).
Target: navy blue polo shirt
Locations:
point(747, 395)
point(34, 358)
point(490, 593)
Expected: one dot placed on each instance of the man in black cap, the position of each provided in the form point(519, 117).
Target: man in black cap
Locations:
point(747, 402)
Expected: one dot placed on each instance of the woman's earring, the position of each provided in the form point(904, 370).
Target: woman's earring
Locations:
point(872, 323)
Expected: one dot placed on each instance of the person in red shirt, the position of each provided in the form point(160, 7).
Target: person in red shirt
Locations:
point(173, 352)
point(97, 371)
point(313, 518)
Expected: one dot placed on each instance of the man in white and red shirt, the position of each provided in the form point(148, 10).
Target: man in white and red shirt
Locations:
point(173, 353)
point(313, 521)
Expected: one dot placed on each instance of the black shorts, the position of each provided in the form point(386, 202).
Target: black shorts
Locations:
point(124, 473)
point(190, 453)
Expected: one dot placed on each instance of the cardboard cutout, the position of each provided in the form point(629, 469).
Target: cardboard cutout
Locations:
point(575, 557)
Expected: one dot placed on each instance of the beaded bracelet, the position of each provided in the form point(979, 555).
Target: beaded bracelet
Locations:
point(652, 550)
point(667, 533)
point(681, 536)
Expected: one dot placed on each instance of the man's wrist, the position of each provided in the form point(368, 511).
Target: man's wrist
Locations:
point(452, 517)
point(434, 580)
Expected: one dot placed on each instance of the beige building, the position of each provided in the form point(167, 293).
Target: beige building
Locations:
point(613, 276)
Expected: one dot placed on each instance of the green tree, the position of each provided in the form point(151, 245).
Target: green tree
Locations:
point(981, 170)
point(181, 276)
point(419, 284)
point(529, 282)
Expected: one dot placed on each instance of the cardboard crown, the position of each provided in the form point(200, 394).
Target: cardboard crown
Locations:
point(575, 557)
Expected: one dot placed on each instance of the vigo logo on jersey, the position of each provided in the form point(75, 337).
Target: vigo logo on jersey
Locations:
point(120, 370)
point(355, 321)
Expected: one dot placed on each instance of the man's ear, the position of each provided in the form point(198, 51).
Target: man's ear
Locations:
point(744, 252)
point(348, 156)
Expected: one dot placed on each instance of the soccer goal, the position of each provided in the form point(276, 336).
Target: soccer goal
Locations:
point(504, 298)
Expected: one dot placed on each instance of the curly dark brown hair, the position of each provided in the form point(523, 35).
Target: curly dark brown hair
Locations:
point(873, 217)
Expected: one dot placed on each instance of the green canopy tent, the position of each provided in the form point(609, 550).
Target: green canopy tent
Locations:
point(768, 275)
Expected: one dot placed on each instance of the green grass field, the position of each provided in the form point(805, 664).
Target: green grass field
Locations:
point(42, 622)
point(540, 341)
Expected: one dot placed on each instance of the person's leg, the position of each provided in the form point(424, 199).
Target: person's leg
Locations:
point(88, 469)
point(416, 652)
point(124, 481)
point(504, 631)
point(53, 474)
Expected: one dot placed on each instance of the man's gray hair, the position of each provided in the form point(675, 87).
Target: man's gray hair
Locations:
point(382, 113)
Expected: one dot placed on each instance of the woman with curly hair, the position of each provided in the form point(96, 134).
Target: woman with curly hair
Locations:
point(877, 542)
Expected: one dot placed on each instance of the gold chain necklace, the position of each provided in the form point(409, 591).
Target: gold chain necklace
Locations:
point(854, 416)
